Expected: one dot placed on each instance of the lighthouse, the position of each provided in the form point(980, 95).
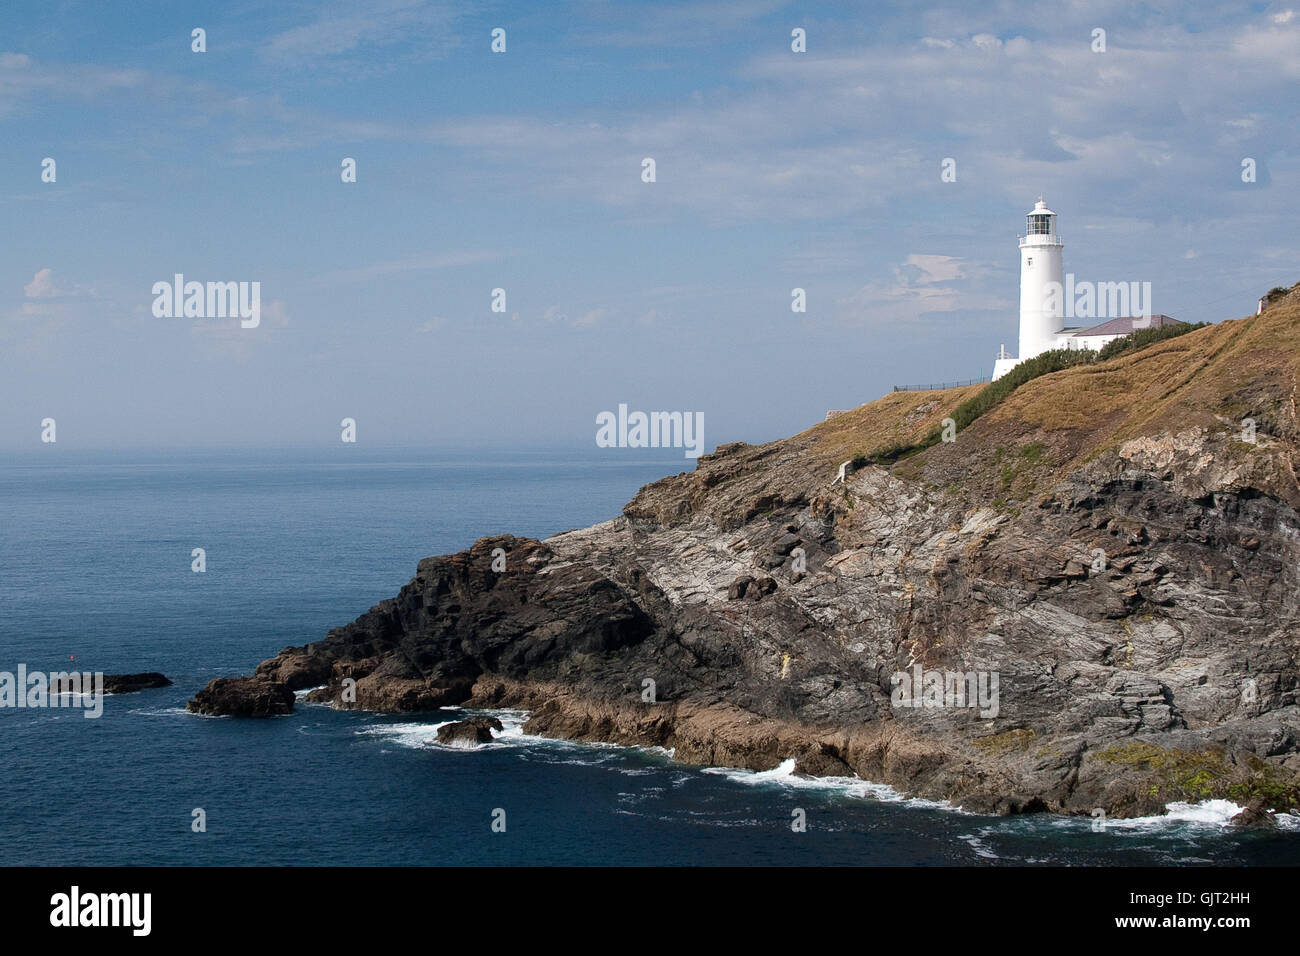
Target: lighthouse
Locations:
point(1046, 299)
point(1041, 263)
point(1041, 319)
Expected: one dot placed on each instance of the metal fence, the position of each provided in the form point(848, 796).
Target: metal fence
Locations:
point(938, 385)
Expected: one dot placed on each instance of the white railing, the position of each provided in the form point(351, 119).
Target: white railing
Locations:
point(1039, 239)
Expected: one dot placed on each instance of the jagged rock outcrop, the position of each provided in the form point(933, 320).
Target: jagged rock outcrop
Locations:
point(131, 683)
point(1088, 600)
point(1255, 816)
point(468, 733)
point(243, 697)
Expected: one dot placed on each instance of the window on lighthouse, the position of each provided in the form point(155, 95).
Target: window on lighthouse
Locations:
point(1029, 261)
point(1040, 225)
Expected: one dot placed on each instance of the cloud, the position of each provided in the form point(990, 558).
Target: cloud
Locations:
point(358, 26)
point(682, 24)
point(922, 284)
point(275, 314)
point(859, 125)
point(23, 78)
point(556, 315)
point(229, 339)
point(424, 262)
point(928, 269)
point(1274, 47)
point(854, 129)
point(41, 286)
point(45, 301)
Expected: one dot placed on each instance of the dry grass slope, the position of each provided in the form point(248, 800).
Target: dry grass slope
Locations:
point(899, 417)
point(1212, 377)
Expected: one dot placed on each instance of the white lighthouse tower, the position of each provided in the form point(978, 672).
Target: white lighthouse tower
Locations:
point(1040, 264)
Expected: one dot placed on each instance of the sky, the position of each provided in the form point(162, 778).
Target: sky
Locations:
point(523, 170)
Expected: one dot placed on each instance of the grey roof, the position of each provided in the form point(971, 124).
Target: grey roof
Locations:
point(1127, 324)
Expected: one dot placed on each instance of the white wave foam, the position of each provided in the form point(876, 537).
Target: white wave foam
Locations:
point(165, 712)
point(421, 735)
point(1208, 813)
point(784, 776)
point(405, 735)
point(1216, 814)
point(981, 848)
point(512, 722)
point(595, 751)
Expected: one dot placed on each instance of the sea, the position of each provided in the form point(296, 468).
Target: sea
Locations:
point(97, 574)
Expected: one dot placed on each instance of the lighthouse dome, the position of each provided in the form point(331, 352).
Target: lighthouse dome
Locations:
point(1041, 220)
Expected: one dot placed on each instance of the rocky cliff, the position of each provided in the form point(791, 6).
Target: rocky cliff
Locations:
point(1105, 565)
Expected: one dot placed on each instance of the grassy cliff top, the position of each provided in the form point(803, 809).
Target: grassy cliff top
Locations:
point(1212, 377)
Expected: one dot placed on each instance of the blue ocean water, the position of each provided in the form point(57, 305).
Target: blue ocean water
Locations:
point(95, 562)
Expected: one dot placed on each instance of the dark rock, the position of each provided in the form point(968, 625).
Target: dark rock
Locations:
point(822, 761)
point(466, 733)
point(785, 544)
point(243, 697)
point(1255, 816)
point(130, 683)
